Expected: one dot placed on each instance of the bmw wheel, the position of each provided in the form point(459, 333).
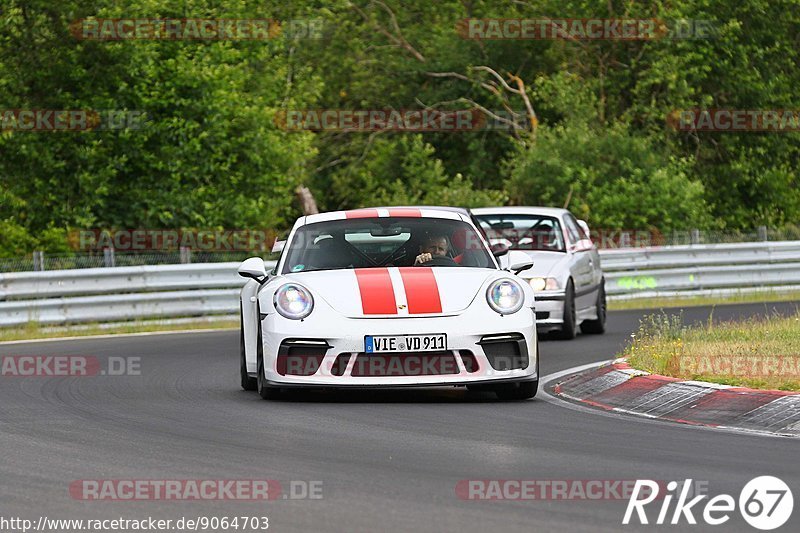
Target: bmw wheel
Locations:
point(569, 328)
point(598, 326)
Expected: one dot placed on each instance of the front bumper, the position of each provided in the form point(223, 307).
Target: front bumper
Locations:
point(341, 361)
point(549, 310)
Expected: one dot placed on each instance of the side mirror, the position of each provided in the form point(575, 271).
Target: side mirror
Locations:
point(499, 249)
point(253, 268)
point(277, 246)
point(519, 261)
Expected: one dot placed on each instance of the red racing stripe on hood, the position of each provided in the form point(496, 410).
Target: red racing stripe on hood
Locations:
point(377, 294)
point(422, 291)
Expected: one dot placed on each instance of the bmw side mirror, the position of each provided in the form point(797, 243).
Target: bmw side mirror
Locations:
point(253, 268)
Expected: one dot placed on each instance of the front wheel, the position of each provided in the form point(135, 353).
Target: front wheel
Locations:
point(266, 391)
point(248, 383)
point(569, 328)
point(598, 326)
point(518, 391)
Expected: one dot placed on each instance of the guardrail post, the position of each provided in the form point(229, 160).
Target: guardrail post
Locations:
point(186, 255)
point(695, 236)
point(762, 233)
point(108, 257)
point(38, 261)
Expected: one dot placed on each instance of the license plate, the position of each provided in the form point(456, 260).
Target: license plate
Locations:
point(405, 343)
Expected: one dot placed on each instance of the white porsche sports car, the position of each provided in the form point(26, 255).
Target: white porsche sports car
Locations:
point(389, 297)
point(566, 273)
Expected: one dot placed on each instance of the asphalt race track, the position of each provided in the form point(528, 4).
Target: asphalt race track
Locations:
point(388, 461)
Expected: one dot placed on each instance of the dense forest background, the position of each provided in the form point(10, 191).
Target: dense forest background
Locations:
point(210, 153)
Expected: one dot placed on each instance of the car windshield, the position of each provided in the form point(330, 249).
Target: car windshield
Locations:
point(384, 242)
point(524, 232)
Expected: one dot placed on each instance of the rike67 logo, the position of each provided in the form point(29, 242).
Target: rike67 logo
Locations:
point(765, 503)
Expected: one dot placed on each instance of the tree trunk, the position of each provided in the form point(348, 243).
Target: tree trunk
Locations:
point(307, 201)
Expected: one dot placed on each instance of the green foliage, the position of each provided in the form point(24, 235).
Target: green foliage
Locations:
point(14, 239)
point(611, 177)
point(210, 154)
point(721, 352)
point(403, 170)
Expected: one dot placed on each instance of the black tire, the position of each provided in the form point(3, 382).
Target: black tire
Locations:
point(518, 391)
point(248, 383)
point(266, 392)
point(597, 327)
point(569, 329)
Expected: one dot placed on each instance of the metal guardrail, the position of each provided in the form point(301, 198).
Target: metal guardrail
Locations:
point(119, 280)
point(120, 307)
point(708, 254)
point(651, 271)
point(205, 289)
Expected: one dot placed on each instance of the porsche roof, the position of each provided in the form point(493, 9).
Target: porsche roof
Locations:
point(451, 213)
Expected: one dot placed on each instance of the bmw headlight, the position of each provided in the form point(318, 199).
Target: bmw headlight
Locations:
point(543, 284)
point(293, 301)
point(505, 296)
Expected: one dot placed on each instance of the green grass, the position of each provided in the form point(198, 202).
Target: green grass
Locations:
point(692, 301)
point(33, 330)
point(761, 353)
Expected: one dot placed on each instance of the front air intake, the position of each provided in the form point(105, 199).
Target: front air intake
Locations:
point(300, 357)
point(505, 351)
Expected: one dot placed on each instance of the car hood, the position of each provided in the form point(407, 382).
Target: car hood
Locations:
point(396, 291)
point(545, 264)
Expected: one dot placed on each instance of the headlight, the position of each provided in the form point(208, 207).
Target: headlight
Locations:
point(293, 301)
point(544, 284)
point(505, 296)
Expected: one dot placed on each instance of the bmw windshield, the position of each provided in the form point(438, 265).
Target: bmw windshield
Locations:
point(524, 232)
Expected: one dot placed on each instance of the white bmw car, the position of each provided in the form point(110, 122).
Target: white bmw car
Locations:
point(389, 297)
point(566, 274)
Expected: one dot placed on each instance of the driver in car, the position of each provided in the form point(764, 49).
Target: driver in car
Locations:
point(433, 246)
